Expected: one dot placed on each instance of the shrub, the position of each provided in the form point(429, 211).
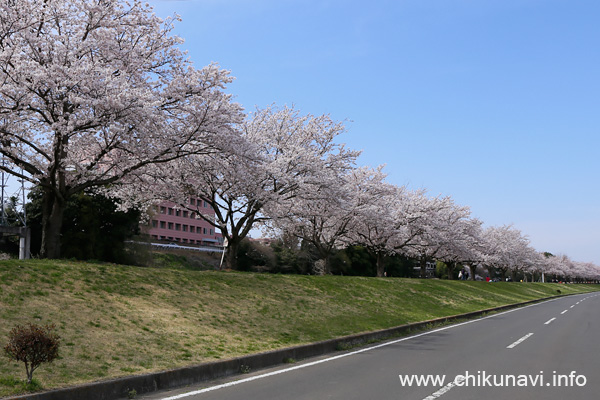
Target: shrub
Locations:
point(33, 345)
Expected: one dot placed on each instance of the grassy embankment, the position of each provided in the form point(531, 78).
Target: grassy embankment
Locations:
point(119, 320)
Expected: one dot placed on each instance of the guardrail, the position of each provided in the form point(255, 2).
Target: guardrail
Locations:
point(211, 249)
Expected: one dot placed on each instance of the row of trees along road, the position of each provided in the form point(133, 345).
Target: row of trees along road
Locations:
point(98, 95)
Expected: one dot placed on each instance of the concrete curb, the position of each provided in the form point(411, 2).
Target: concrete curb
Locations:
point(120, 387)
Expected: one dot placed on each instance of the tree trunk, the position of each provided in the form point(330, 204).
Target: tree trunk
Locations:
point(380, 264)
point(423, 264)
point(325, 255)
point(231, 253)
point(29, 371)
point(327, 265)
point(52, 220)
point(451, 266)
point(473, 269)
point(503, 274)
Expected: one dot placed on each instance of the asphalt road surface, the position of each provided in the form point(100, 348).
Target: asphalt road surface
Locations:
point(544, 351)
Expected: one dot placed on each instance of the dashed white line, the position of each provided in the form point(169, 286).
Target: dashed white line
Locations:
point(564, 312)
point(518, 342)
point(549, 321)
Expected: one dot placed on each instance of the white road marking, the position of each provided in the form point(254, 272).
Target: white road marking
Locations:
point(550, 320)
point(518, 342)
point(564, 312)
point(443, 390)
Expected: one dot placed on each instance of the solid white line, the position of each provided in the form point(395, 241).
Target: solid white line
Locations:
point(564, 312)
point(550, 320)
point(443, 390)
point(518, 342)
point(310, 364)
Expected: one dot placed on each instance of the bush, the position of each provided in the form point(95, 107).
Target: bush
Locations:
point(33, 345)
point(253, 256)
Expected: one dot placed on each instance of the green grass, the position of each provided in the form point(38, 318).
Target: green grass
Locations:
point(15, 386)
point(119, 320)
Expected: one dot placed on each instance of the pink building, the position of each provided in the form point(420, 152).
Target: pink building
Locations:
point(171, 224)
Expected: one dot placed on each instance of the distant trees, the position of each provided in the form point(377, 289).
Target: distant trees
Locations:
point(94, 227)
point(561, 267)
point(12, 216)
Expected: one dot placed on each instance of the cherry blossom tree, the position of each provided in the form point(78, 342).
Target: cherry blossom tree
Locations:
point(92, 91)
point(535, 265)
point(562, 268)
point(557, 266)
point(588, 271)
point(327, 218)
point(391, 223)
point(279, 158)
point(446, 233)
point(507, 249)
point(461, 241)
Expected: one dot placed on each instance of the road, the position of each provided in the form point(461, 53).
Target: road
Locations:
point(525, 353)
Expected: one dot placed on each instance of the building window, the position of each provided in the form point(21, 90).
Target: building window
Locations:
point(163, 224)
point(185, 228)
point(178, 213)
point(192, 229)
point(211, 231)
point(204, 230)
point(154, 223)
point(170, 211)
point(170, 225)
point(177, 227)
point(192, 201)
point(185, 214)
point(163, 210)
point(192, 215)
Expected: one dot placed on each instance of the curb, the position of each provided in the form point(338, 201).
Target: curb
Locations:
point(118, 388)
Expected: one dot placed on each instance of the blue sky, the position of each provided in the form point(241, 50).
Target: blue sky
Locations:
point(495, 103)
